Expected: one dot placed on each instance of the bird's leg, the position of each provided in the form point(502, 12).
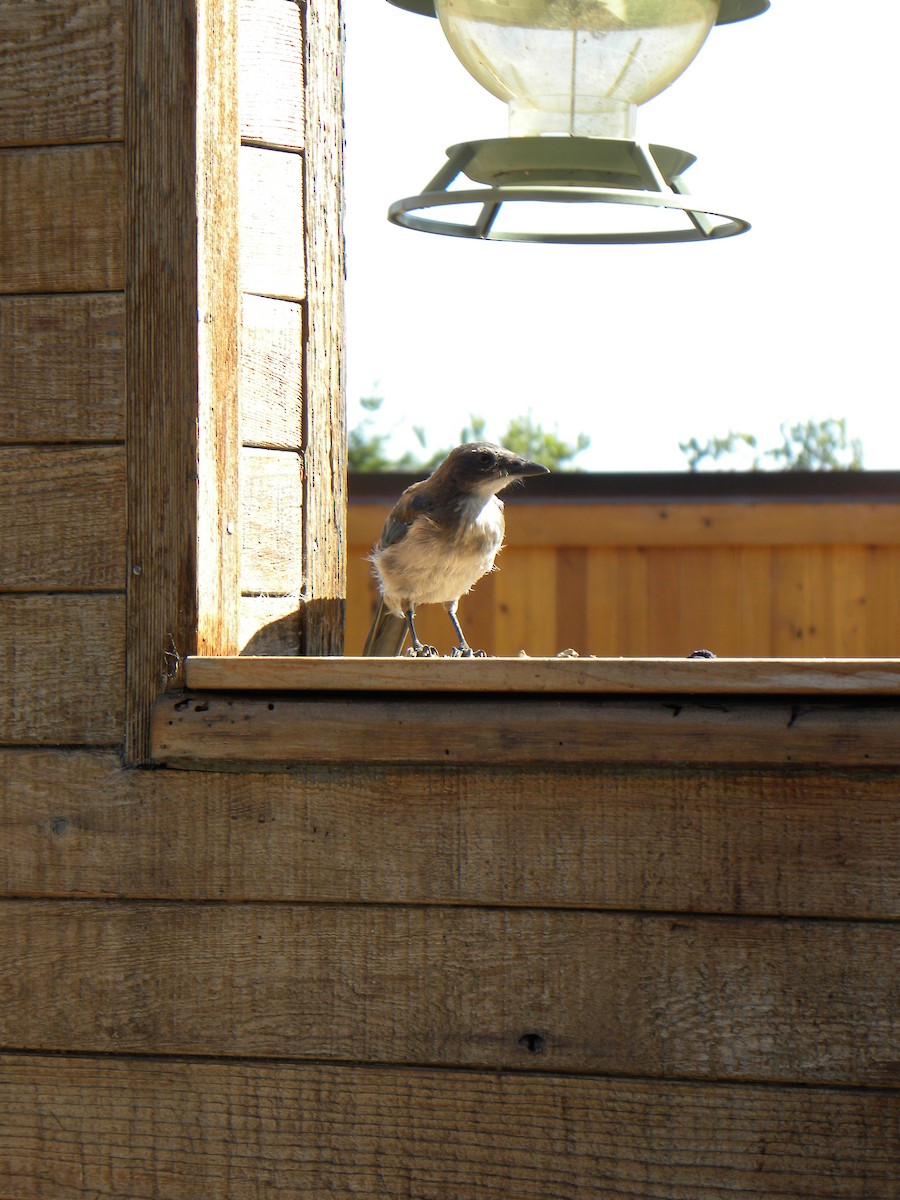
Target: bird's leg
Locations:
point(418, 649)
point(463, 649)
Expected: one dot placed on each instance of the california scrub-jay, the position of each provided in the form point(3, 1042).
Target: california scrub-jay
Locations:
point(442, 535)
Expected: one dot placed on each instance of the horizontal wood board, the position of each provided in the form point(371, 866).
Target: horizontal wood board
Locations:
point(62, 368)
point(76, 1127)
point(63, 219)
point(622, 994)
point(62, 518)
point(271, 364)
point(550, 675)
point(272, 254)
point(562, 522)
point(790, 843)
point(271, 491)
point(61, 72)
point(270, 624)
point(205, 728)
point(62, 69)
point(62, 669)
point(270, 73)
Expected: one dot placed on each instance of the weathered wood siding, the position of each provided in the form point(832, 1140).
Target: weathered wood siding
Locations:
point(62, 427)
point(640, 973)
point(367, 980)
point(739, 575)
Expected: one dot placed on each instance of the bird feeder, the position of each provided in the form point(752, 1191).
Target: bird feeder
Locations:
point(572, 73)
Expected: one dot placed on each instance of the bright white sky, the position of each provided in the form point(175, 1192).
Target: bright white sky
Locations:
point(793, 118)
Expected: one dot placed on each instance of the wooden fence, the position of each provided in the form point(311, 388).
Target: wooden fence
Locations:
point(747, 566)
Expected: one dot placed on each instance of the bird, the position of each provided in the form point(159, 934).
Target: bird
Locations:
point(440, 538)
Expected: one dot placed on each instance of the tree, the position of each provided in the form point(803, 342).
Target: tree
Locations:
point(366, 448)
point(523, 435)
point(807, 446)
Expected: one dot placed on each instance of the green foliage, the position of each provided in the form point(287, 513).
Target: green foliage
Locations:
point(807, 446)
point(523, 435)
point(367, 449)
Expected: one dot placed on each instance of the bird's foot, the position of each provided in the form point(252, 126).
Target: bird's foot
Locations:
point(466, 652)
point(421, 651)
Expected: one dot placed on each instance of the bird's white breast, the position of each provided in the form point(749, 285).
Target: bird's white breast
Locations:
point(431, 566)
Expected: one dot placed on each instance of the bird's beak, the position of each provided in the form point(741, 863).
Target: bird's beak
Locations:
point(522, 468)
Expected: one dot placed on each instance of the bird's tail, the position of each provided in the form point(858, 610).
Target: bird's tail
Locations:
point(387, 635)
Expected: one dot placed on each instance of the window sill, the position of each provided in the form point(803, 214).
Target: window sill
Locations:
point(275, 713)
point(628, 676)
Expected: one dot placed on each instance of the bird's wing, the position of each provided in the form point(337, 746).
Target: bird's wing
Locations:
point(413, 504)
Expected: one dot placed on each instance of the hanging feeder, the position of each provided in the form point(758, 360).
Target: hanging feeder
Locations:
point(572, 73)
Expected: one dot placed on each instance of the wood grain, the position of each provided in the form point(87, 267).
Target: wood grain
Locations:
point(271, 385)
point(63, 219)
point(62, 368)
point(77, 1127)
point(324, 413)
point(790, 843)
point(218, 326)
point(271, 225)
point(182, 415)
point(61, 72)
point(270, 624)
point(204, 728)
point(731, 523)
point(271, 523)
point(526, 605)
point(532, 676)
point(725, 523)
point(270, 73)
point(62, 668)
point(610, 993)
point(62, 518)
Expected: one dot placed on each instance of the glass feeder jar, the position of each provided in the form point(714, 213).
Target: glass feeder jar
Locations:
point(575, 67)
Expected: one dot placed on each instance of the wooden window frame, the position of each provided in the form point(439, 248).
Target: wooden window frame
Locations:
point(182, 304)
point(191, 700)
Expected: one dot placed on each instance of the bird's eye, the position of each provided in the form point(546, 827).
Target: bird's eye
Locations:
point(486, 458)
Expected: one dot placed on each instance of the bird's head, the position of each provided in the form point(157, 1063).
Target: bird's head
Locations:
point(485, 468)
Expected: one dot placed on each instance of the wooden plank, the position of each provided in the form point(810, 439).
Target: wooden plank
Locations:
point(324, 414)
point(205, 729)
point(270, 625)
point(62, 518)
point(61, 70)
point(63, 218)
point(271, 523)
point(850, 599)
point(62, 368)
point(271, 387)
point(182, 416)
point(270, 73)
point(801, 596)
point(723, 523)
point(572, 598)
point(760, 841)
point(882, 598)
point(218, 325)
point(79, 1126)
point(632, 676)
point(62, 667)
point(526, 598)
point(271, 229)
point(608, 993)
